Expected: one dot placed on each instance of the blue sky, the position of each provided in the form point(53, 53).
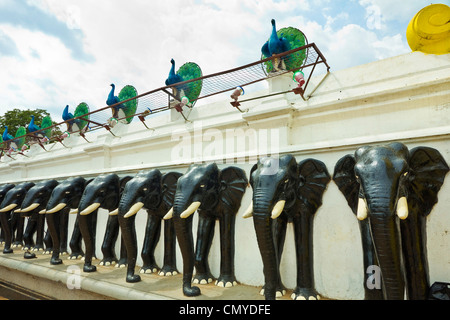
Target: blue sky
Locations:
point(59, 52)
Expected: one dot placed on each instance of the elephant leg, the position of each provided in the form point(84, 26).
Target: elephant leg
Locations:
point(7, 228)
point(279, 227)
point(48, 243)
point(303, 234)
point(129, 237)
point(205, 234)
point(109, 241)
point(53, 228)
point(123, 254)
point(28, 234)
point(64, 230)
point(87, 227)
point(372, 274)
point(170, 263)
point(75, 242)
point(19, 223)
point(227, 246)
point(183, 229)
point(413, 231)
point(40, 225)
point(151, 238)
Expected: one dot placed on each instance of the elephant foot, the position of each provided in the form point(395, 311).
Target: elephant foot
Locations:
point(108, 261)
point(168, 271)
point(7, 250)
point(55, 261)
point(47, 251)
point(132, 278)
point(305, 294)
point(29, 255)
point(203, 278)
point(76, 255)
point(279, 292)
point(89, 268)
point(17, 245)
point(37, 248)
point(191, 291)
point(226, 281)
point(152, 268)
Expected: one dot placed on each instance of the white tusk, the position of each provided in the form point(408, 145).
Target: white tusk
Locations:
point(361, 214)
point(42, 211)
point(8, 208)
point(134, 209)
point(29, 208)
point(73, 211)
point(169, 214)
point(190, 210)
point(278, 209)
point(402, 208)
point(17, 210)
point(114, 212)
point(57, 208)
point(249, 212)
point(91, 208)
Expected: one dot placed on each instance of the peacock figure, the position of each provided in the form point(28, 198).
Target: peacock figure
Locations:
point(124, 111)
point(281, 41)
point(190, 90)
point(79, 124)
point(16, 143)
point(46, 126)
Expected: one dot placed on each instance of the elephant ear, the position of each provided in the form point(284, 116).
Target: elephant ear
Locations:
point(233, 183)
point(169, 187)
point(123, 182)
point(427, 173)
point(313, 180)
point(345, 179)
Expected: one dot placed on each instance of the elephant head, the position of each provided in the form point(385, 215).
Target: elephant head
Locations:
point(394, 189)
point(3, 191)
point(65, 196)
point(35, 202)
point(284, 190)
point(12, 200)
point(154, 192)
point(102, 192)
point(217, 194)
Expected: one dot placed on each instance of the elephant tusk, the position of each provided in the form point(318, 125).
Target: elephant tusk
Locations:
point(30, 207)
point(91, 208)
point(42, 211)
point(361, 214)
point(8, 208)
point(278, 209)
point(73, 211)
point(134, 209)
point(402, 208)
point(249, 212)
point(114, 212)
point(18, 210)
point(190, 210)
point(169, 214)
point(56, 208)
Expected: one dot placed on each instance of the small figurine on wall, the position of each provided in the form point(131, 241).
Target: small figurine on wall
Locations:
point(122, 111)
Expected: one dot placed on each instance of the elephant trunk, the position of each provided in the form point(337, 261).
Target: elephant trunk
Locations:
point(87, 224)
point(183, 230)
point(386, 237)
point(263, 227)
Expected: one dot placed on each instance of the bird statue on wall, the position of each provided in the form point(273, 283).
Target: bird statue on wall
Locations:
point(190, 90)
point(44, 134)
point(280, 41)
point(123, 111)
point(16, 143)
point(79, 124)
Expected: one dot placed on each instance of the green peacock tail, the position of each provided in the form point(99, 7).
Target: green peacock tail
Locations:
point(189, 71)
point(296, 39)
point(20, 137)
point(47, 126)
point(80, 110)
point(130, 108)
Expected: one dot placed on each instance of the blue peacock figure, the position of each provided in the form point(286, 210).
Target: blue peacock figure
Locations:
point(123, 111)
point(281, 41)
point(80, 124)
point(46, 127)
point(16, 143)
point(190, 90)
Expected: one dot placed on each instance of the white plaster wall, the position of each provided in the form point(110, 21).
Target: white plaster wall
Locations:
point(404, 98)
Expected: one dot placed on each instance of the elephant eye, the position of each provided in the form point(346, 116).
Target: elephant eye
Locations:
point(202, 186)
point(144, 189)
point(286, 181)
point(406, 173)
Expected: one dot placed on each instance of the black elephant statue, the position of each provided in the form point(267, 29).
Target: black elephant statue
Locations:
point(33, 205)
point(154, 192)
point(392, 190)
point(217, 194)
point(286, 191)
point(4, 188)
point(102, 192)
point(65, 198)
point(12, 223)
